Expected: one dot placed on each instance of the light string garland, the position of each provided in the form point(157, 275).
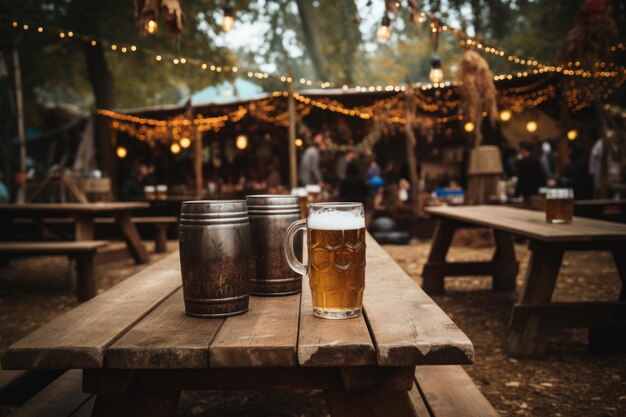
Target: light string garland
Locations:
point(570, 69)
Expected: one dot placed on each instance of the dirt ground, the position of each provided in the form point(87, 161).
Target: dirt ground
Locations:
point(569, 382)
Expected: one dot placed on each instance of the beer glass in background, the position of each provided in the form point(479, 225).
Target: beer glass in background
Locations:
point(161, 192)
point(314, 193)
point(336, 257)
point(149, 192)
point(559, 205)
point(302, 196)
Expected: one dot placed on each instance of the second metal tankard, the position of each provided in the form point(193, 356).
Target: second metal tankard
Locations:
point(270, 216)
point(215, 257)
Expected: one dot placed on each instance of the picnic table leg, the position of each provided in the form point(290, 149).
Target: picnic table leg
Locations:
point(132, 238)
point(84, 228)
point(543, 269)
point(433, 272)
point(505, 266)
point(160, 238)
point(85, 277)
point(373, 402)
point(611, 340)
point(137, 404)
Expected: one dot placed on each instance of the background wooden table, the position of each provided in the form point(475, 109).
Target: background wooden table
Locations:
point(84, 216)
point(138, 349)
point(534, 310)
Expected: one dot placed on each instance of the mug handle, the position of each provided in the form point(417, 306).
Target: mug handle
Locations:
point(293, 262)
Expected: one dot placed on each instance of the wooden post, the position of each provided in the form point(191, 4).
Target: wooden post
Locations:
point(197, 163)
point(411, 143)
point(21, 132)
point(293, 163)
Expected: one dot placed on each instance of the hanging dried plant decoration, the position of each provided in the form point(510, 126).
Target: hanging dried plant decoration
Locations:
point(478, 91)
point(149, 10)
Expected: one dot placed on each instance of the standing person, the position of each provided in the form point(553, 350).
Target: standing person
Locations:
point(342, 165)
point(353, 186)
point(595, 163)
point(375, 181)
point(547, 160)
point(309, 171)
point(530, 176)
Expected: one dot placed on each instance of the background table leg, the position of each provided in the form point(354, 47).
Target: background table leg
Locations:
point(433, 272)
point(543, 269)
point(369, 403)
point(132, 238)
point(84, 228)
point(505, 265)
point(611, 340)
point(138, 404)
point(85, 277)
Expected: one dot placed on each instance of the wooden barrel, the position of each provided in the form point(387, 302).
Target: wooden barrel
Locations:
point(270, 216)
point(215, 257)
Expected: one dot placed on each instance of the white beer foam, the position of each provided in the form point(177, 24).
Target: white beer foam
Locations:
point(335, 220)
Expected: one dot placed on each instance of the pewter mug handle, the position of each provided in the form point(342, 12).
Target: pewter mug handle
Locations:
point(290, 234)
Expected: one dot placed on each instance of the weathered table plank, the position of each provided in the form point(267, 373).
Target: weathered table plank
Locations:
point(266, 336)
point(332, 342)
point(407, 326)
point(532, 223)
point(165, 339)
point(79, 338)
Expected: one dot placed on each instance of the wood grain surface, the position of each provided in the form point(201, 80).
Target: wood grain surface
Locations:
point(532, 223)
point(324, 342)
point(165, 339)
point(407, 326)
point(79, 338)
point(266, 336)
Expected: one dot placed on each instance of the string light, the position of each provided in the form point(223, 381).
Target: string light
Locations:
point(436, 73)
point(121, 152)
point(505, 115)
point(151, 26)
point(241, 142)
point(384, 30)
point(299, 142)
point(228, 20)
point(175, 148)
point(531, 126)
point(469, 127)
point(185, 143)
point(572, 134)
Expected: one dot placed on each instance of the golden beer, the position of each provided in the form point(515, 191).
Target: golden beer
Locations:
point(336, 269)
point(335, 263)
point(559, 205)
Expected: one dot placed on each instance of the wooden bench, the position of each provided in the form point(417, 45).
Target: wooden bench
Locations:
point(83, 252)
point(161, 224)
point(62, 398)
point(438, 391)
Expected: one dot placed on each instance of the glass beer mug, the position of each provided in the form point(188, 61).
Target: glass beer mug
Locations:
point(335, 235)
point(559, 205)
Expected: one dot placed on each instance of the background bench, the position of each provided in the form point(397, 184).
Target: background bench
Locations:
point(83, 252)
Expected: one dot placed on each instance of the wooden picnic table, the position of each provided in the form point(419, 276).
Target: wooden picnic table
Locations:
point(534, 310)
point(84, 215)
point(138, 349)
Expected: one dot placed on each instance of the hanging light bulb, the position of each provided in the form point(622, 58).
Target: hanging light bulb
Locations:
point(436, 73)
point(572, 134)
point(175, 148)
point(531, 126)
point(298, 142)
point(228, 21)
point(505, 115)
point(469, 127)
point(241, 142)
point(151, 26)
point(185, 143)
point(384, 30)
point(121, 152)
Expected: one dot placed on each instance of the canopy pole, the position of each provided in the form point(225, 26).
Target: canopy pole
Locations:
point(197, 163)
point(21, 133)
point(411, 143)
point(291, 108)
